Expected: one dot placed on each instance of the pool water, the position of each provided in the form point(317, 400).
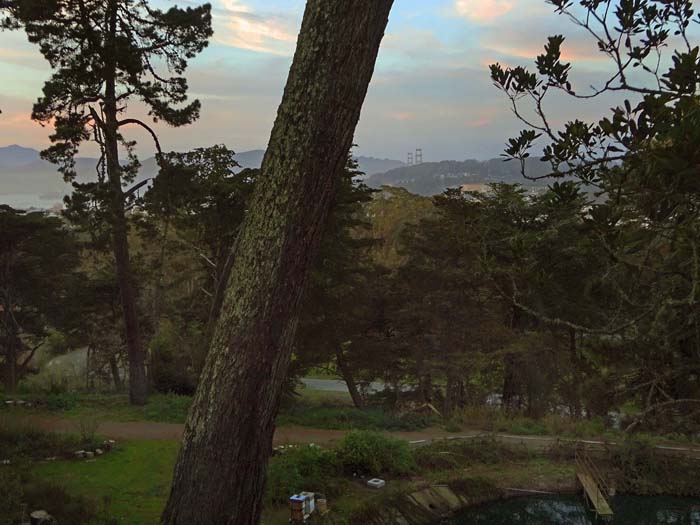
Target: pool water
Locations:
point(629, 510)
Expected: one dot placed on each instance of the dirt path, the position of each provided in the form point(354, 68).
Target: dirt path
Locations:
point(173, 431)
point(150, 430)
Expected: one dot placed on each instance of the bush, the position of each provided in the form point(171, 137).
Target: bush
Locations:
point(170, 408)
point(459, 453)
point(307, 468)
point(171, 371)
point(56, 380)
point(23, 493)
point(350, 418)
point(645, 471)
point(374, 454)
point(20, 439)
point(475, 490)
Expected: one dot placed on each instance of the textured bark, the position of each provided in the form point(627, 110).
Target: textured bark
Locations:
point(349, 379)
point(11, 366)
point(138, 382)
point(220, 473)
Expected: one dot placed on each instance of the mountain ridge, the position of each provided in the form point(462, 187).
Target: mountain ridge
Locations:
point(23, 171)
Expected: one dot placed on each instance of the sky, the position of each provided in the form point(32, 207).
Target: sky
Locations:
point(431, 88)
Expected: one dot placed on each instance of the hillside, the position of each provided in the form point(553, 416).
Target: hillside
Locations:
point(23, 172)
point(368, 165)
point(432, 178)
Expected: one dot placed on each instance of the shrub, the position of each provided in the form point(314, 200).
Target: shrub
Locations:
point(477, 417)
point(644, 470)
point(349, 418)
point(307, 468)
point(12, 496)
point(56, 380)
point(476, 490)
point(170, 408)
point(171, 371)
point(23, 492)
point(87, 428)
point(365, 452)
point(20, 439)
point(459, 453)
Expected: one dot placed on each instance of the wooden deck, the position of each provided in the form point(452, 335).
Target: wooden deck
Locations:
point(593, 493)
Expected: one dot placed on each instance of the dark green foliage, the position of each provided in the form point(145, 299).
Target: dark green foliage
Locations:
point(461, 453)
point(348, 418)
point(643, 470)
point(171, 370)
point(195, 207)
point(20, 439)
point(476, 490)
point(21, 489)
point(38, 275)
point(374, 454)
point(642, 227)
point(338, 306)
point(304, 468)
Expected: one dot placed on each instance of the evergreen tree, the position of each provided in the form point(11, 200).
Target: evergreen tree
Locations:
point(234, 410)
point(106, 53)
point(38, 276)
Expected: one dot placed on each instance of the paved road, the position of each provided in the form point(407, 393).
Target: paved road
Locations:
point(338, 385)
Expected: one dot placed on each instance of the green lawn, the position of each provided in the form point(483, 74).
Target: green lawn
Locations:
point(136, 479)
point(135, 476)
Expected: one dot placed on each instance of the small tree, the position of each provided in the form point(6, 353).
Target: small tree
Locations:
point(106, 53)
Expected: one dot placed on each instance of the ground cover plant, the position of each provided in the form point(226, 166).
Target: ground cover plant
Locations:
point(20, 439)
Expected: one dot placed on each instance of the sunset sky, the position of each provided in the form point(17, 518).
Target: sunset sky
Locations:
point(431, 88)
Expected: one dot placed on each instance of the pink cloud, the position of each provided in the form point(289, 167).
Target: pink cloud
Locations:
point(242, 28)
point(483, 10)
point(401, 116)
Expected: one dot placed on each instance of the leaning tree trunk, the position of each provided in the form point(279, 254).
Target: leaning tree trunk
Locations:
point(220, 472)
point(349, 379)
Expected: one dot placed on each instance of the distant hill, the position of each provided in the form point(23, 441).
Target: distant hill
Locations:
point(432, 178)
point(367, 165)
point(23, 172)
point(13, 156)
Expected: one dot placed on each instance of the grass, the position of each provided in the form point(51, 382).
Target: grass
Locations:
point(166, 408)
point(312, 408)
point(491, 420)
point(135, 478)
point(19, 439)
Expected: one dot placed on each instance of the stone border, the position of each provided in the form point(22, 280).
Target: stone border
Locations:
point(107, 446)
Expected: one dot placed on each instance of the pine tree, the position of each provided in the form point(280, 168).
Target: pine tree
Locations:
point(220, 473)
point(106, 53)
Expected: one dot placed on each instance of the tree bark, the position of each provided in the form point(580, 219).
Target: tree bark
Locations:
point(220, 472)
point(11, 365)
point(114, 370)
point(346, 373)
point(138, 382)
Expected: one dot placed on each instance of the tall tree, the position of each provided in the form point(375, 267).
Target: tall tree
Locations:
point(204, 195)
point(220, 472)
point(106, 53)
point(642, 160)
point(336, 302)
